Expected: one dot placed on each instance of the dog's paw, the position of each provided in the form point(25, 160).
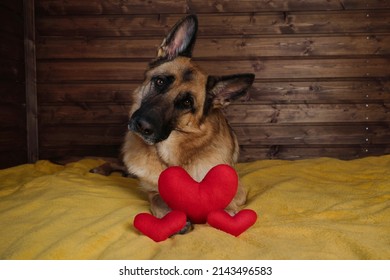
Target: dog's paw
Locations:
point(188, 227)
point(104, 169)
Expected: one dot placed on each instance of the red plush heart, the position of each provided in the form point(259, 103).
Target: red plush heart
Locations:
point(234, 225)
point(160, 229)
point(198, 199)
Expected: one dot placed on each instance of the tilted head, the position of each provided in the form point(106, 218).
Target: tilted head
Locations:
point(176, 94)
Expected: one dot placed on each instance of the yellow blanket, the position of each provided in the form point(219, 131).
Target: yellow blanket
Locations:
point(308, 209)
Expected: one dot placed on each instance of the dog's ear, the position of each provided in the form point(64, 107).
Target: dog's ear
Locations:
point(222, 90)
point(180, 40)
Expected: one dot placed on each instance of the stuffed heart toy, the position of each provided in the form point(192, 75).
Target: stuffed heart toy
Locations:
point(197, 200)
point(160, 229)
point(201, 202)
point(234, 225)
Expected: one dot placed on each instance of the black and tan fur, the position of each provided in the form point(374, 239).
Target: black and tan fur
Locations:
point(176, 119)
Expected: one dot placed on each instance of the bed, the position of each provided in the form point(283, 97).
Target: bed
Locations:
point(307, 209)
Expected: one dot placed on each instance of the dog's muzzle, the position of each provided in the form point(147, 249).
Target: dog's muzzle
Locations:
point(149, 129)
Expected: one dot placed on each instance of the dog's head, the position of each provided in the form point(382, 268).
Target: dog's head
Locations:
point(176, 94)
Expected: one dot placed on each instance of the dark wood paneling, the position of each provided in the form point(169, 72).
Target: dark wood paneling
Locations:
point(49, 7)
point(289, 152)
point(97, 7)
point(11, 21)
point(13, 146)
point(84, 113)
point(322, 91)
point(322, 78)
point(213, 48)
point(81, 135)
point(236, 113)
point(307, 113)
point(313, 134)
point(31, 81)
point(109, 93)
point(263, 68)
point(215, 25)
point(12, 139)
point(365, 4)
point(15, 7)
point(11, 70)
point(11, 47)
point(65, 151)
point(12, 116)
point(262, 92)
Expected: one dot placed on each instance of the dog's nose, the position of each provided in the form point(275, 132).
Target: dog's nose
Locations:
point(143, 127)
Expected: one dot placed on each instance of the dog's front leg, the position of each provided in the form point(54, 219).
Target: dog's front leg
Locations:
point(238, 201)
point(159, 209)
point(157, 205)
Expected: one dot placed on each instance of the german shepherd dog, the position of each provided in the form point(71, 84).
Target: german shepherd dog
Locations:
point(176, 118)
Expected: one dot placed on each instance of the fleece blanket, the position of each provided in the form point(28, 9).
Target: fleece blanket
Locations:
point(308, 209)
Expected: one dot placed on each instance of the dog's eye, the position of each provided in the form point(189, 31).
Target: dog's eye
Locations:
point(187, 103)
point(160, 82)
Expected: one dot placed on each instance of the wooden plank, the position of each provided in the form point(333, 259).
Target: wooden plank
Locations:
point(12, 115)
point(13, 157)
point(86, 93)
point(307, 113)
point(248, 153)
point(262, 92)
point(289, 152)
point(97, 7)
point(313, 134)
point(12, 139)
point(11, 46)
point(367, 4)
point(101, 48)
point(11, 70)
point(31, 80)
point(15, 7)
point(322, 77)
point(84, 113)
point(236, 113)
point(58, 152)
point(263, 68)
point(12, 102)
point(10, 21)
point(223, 48)
point(12, 93)
point(81, 135)
point(321, 91)
point(216, 24)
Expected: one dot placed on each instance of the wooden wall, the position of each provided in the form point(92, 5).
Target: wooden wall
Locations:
point(322, 71)
point(13, 145)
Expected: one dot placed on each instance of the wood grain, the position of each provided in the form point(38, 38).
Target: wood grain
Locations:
point(63, 71)
point(97, 7)
point(307, 113)
point(31, 81)
point(322, 83)
point(217, 24)
point(262, 92)
point(345, 152)
point(213, 48)
point(313, 134)
point(13, 145)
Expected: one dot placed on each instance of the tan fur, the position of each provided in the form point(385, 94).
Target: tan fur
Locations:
point(177, 120)
point(198, 144)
